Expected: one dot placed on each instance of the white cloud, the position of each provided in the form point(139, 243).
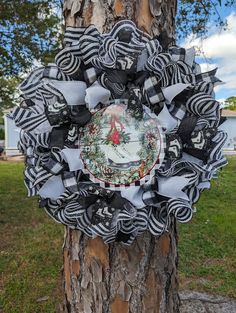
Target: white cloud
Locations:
point(219, 49)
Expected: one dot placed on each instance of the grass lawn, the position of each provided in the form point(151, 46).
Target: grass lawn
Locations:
point(207, 245)
point(30, 248)
point(31, 260)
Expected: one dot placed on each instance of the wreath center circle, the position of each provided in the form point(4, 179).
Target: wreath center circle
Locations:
point(119, 149)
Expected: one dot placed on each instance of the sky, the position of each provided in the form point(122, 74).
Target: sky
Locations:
point(218, 49)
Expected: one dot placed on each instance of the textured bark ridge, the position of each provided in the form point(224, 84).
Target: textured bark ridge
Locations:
point(114, 278)
point(142, 278)
point(156, 17)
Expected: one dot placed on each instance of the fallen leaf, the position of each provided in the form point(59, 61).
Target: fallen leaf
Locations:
point(42, 299)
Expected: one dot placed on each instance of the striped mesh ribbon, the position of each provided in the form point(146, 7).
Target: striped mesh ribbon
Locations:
point(116, 61)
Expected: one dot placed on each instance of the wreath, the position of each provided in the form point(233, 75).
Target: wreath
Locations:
point(119, 134)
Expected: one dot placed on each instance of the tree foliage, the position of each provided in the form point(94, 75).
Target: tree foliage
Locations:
point(193, 16)
point(232, 103)
point(29, 30)
point(8, 94)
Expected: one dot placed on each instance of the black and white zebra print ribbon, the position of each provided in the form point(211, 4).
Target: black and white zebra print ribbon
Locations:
point(92, 70)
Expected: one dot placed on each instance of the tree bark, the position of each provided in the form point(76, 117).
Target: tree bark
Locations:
point(114, 278)
point(156, 17)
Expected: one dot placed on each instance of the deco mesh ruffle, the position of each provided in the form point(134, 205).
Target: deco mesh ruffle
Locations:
point(119, 134)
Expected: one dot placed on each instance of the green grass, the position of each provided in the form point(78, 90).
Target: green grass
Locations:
point(31, 258)
point(207, 245)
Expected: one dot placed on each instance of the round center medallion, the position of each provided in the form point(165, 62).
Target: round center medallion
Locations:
point(118, 149)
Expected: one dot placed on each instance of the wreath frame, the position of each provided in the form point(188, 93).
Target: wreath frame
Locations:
point(90, 72)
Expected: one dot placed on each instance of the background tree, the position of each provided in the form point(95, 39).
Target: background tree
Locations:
point(194, 16)
point(29, 31)
point(100, 278)
point(231, 101)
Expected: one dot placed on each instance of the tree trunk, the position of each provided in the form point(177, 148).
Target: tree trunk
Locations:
point(114, 278)
point(156, 17)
